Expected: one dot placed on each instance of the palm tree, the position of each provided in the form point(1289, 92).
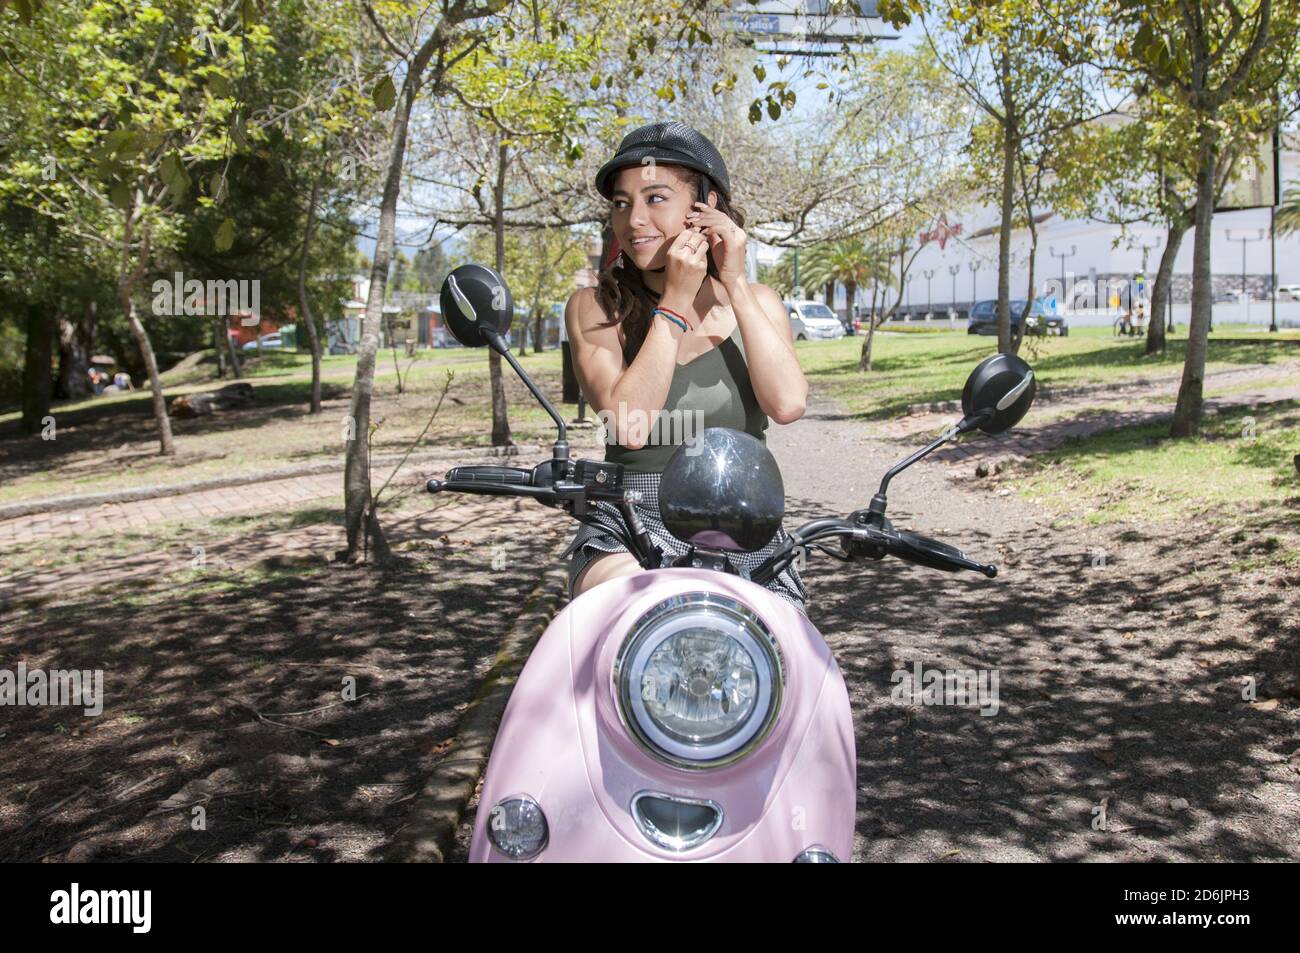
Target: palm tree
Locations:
point(1288, 213)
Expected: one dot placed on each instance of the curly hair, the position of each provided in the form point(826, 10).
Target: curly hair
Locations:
point(621, 290)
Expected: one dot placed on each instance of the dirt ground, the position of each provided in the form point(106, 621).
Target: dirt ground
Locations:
point(1121, 654)
point(224, 689)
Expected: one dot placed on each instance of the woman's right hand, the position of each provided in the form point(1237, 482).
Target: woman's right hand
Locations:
point(688, 263)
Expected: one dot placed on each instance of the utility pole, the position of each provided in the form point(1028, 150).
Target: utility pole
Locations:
point(929, 307)
point(974, 266)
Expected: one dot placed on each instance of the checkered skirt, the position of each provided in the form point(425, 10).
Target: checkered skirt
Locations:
point(589, 541)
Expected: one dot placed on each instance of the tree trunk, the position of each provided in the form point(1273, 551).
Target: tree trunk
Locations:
point(864, 362)
point(830, 293)
point(850, 295)
point(1162, 289)
point(537, 332)
point(359, 522)
point(38, 385)
point(500, 417)
point(1004, 240)
point(218, 345)
point(304, 306)
point(230, 347)
point(1187, 412)
point(166, 446)
point(76, 347)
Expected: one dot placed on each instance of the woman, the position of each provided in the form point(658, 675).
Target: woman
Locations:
point(674, 326)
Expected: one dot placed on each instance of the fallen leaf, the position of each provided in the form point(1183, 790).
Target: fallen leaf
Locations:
point(332, 742)
point(1264, 705)
point(1204, 613)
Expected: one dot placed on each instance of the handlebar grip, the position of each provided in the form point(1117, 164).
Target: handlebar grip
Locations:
point(513, 476)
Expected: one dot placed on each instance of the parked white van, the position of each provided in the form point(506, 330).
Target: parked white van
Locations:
point(813, 321)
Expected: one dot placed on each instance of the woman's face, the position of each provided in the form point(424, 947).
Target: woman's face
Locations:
point(649, 206)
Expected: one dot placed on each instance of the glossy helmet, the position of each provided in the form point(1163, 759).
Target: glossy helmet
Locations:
point(673, 143)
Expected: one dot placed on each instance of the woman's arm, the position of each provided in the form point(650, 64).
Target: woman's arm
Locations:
point(774, 371)
point(626, 397)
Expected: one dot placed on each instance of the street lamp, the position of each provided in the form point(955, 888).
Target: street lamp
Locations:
point(974, 266)
point(1245, 295)
point(929, 274)
point(1064, 255)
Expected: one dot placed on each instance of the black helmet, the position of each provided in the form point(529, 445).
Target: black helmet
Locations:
point(673, 143)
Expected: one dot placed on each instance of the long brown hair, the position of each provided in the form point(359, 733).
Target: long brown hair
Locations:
point(621, 290)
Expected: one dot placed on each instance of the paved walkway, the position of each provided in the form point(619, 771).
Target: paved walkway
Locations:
point(141, 514)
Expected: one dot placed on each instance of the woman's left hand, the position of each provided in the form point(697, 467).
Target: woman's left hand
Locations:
point(726, 241)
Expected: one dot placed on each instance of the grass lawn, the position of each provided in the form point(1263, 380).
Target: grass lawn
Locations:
point(1238, 472)
point(922, 367)
point(110, 442)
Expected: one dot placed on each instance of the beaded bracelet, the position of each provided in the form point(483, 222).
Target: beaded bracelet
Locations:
point(679, 322)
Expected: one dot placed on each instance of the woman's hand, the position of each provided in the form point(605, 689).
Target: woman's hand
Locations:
point(726, 240)
point(688, 263)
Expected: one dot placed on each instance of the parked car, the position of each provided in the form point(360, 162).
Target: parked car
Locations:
point(813, 321)
point(270, 342)
point(1288, 292)
point(984, 318)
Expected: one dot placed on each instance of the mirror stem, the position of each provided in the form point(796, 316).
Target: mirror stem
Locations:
point(560, 449)
point(876, 509)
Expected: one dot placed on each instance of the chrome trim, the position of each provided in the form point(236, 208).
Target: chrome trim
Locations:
point(462, 302)
point(666, 841)
point(816, 854)
point(711, 603)
point(1014, 394)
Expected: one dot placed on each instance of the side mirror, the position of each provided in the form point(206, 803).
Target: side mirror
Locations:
point(997, 394)
point(477, 306)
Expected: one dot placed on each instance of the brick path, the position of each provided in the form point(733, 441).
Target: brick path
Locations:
point(141, 514)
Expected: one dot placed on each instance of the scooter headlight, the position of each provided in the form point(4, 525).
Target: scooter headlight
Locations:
point(699, 680)
point(517, 827)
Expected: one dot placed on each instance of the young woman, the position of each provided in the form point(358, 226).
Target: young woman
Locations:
point(675, 326)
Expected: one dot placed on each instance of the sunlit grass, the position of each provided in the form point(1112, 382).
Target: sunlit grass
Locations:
point(1241, 463)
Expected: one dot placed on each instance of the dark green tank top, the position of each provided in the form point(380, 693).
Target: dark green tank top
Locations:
point(713, 390)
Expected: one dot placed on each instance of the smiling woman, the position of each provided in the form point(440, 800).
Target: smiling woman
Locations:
point(674, 328)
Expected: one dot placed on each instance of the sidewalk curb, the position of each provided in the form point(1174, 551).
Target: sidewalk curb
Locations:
point(430, 829)
point(58, 504)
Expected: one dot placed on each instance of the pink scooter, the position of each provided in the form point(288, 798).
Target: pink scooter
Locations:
point(686, 712)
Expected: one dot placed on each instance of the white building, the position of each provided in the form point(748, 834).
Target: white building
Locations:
point(1098, 261)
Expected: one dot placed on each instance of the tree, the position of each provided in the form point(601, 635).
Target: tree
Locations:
point(136, 98)
point(1223, 61)
point(426, 41)
point(539, 268)
point(997, 53)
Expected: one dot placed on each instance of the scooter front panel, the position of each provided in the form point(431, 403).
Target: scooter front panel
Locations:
point(563, 740)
